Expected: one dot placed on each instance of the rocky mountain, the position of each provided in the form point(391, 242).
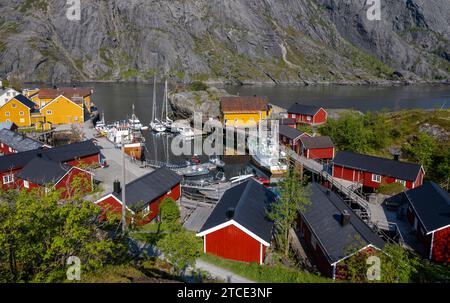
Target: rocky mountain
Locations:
point(295, 41)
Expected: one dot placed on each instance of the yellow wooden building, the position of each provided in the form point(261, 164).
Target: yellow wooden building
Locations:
point(243, 111)
point(17, 110)
point(76, 94)
point(63, 110)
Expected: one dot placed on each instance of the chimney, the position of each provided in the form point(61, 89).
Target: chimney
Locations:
point(345, 217)
point(117, 188)
point(230, 213)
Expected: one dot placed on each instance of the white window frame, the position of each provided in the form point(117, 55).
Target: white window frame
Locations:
point(169, 192)
point(49, 112)
point(402, 182)
point(308, 118)
point(22, 120)
point(26, 184)
point(376, 178)
point(21, 113)
point(7, 114)
point(8, 179)
point(13, 105)
point(146, 211)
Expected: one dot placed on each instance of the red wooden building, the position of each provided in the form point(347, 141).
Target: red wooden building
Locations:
point(238, 228)
point(41, 172)
point(74, 154)
point(428, 212)
point(317, 147)
point(144, 195)
point(329, 227)
point(307, 114)
point(371, 171)
point(12, 142)
point(291, 137)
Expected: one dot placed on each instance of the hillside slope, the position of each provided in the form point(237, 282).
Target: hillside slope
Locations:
point(233, 40)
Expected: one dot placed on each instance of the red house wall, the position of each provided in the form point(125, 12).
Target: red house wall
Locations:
point(10, 185)
point(89, 160)
point(320, 117)
point(5, 149)
point(356, 175)
point(66, 183)
point(441, 245)
point(232, 243)
point(320, 259)
point(320, 153)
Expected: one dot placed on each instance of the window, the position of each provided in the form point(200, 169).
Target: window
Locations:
point(76, 118)
point(21, 113)
point(8, 179)
point(402, 182)
point(26, 184)
point(49, 112)
point(22, 120)
point(13, 105)
point(10, 149)
point(308, 118)
point(294, 116)
point(146, 210)
point(169, 192)
point(1, 145)
point(376, 178)
point(7, 114)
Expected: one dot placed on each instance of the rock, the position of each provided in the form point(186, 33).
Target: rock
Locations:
point(241, 41)
point(435, 131)
point(184, 104)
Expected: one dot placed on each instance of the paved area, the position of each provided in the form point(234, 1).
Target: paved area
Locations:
point(221, 273)
point(113, 157)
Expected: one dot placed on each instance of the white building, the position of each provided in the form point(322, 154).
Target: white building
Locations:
point(6, 95)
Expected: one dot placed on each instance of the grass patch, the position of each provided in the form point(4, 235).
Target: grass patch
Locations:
point(266, 273)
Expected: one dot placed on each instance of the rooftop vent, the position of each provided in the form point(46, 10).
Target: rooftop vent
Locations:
point(230, 213)
point(345, 217)
point(117, 188)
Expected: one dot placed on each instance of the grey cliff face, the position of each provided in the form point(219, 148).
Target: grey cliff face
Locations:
point(231, 41)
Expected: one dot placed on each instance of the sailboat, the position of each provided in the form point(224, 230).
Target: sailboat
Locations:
point(135, 123)
point(167, 122)
point(156, 125)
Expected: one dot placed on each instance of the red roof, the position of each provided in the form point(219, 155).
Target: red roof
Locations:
point(69, 92)
point(243, 104)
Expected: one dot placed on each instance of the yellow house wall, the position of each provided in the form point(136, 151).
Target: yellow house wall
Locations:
point(63, 111)
point(243, 118)
point(14, 113)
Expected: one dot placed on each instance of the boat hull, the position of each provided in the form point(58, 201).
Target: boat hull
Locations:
point(274, 170)
point(135, 150)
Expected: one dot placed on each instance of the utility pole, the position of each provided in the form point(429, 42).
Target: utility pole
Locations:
point(124, 180)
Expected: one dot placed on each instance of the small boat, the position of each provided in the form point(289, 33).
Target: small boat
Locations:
point(217, 162)
point(263, 181)
point(195, 171)
point(166, 122)
point(267, 156)
point(187, 133)
point(157, 126)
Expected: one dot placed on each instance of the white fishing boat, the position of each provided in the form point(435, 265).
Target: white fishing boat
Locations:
point(195, 171)
point(266, 154)
point(135, 123)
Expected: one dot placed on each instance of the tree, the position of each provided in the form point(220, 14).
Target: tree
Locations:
point(397, 264)
point(38, 234)
point(181, 249)
point(421, 149)
point(294, 197)
point(170, 214)
point(348, 132)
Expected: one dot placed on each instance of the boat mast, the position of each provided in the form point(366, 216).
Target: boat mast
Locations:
point(166, 100)
point(154, 99)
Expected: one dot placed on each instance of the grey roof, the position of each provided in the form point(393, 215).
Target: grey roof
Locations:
point(430, 202)
point(25, 101)
point(43, 171)
point(18, 141)
point(149, 187)
point(386, 167)
point(287, 121)
point(250, 201)
point(290, 132)
point(317, 142)
point(297, 108)
point(323, 217)
point(59, 154)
